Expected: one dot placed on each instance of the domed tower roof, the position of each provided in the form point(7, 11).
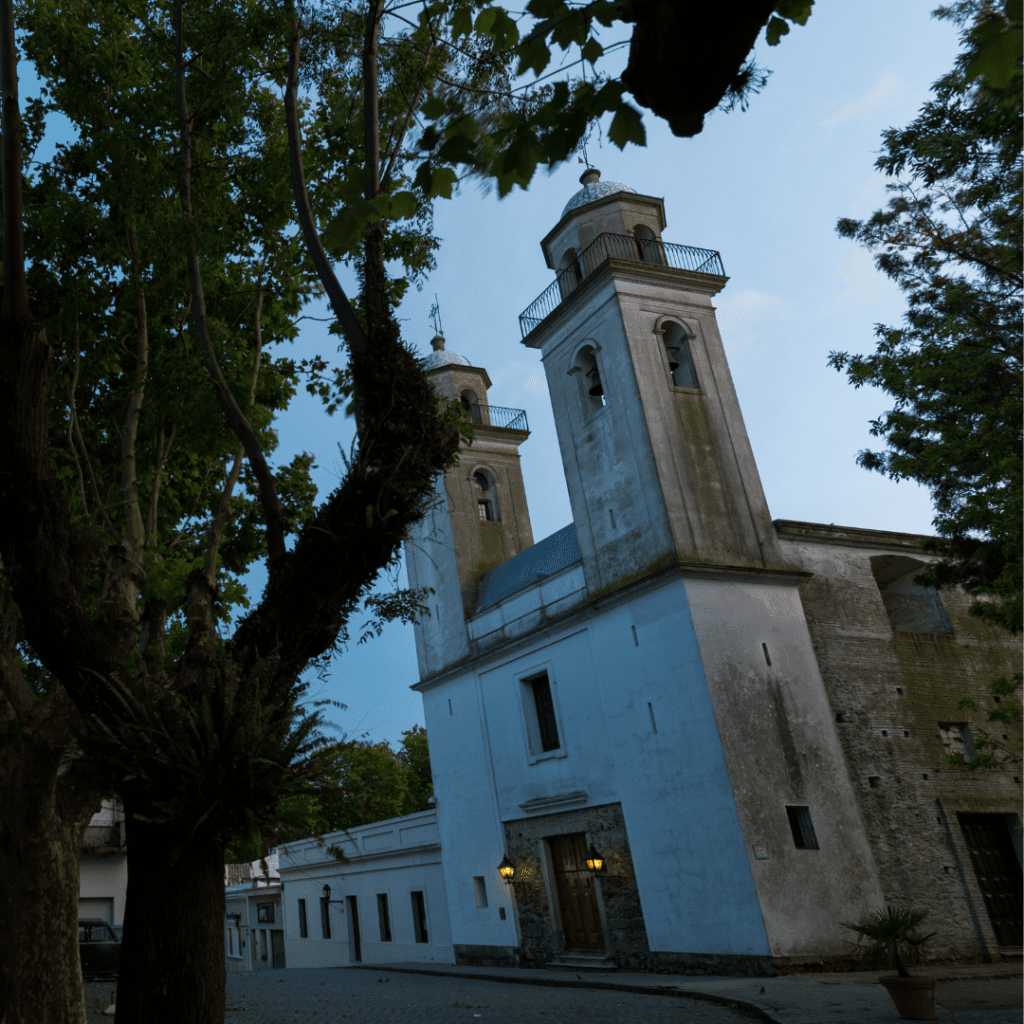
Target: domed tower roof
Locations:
point(439, 357)
point(594, 189)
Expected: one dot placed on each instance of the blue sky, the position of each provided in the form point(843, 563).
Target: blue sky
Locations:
point(765, 188)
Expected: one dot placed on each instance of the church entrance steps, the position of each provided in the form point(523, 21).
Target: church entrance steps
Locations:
point(576, 960)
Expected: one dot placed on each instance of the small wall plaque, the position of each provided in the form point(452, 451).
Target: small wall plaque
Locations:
point(761, 853)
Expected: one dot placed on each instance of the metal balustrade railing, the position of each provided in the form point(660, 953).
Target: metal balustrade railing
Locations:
point(496, 416)
point(619, 247)
point(103, 836)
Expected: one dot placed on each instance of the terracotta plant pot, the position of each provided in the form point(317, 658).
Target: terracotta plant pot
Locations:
point(914, 997)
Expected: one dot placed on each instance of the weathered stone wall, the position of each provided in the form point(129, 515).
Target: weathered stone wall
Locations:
point(889, 690)
point(485, 956)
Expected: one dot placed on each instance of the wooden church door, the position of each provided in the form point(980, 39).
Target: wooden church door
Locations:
point(998, 872)
point(577, 900)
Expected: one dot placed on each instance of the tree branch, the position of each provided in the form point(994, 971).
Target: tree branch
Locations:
point(233, 414)
point(72, 416)
point(127, 575)
point(409, 112)
point(162, 451)
point(340, 304)
point(14, 304)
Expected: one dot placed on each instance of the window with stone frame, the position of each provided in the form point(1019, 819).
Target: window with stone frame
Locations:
point(541, 718)
point(802, 827)
point(956, 739)
point(488, 510)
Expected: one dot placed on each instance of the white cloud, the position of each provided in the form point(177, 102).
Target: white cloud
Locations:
point(515, 379)
point(874, 99)
point(863, 283)
point(748, 308)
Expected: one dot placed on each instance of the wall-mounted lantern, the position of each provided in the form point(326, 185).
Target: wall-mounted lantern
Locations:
point(327, 895)
point(595, 862)
point(507, 869)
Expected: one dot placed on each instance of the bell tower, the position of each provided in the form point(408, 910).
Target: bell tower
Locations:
point(657, 460)
point(480, 517)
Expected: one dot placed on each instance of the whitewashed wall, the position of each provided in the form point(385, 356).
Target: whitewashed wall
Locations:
point(689, 852)
point(396, 857)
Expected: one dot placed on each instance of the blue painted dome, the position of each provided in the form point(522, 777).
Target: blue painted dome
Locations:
point(594, 189)
point(439, 357)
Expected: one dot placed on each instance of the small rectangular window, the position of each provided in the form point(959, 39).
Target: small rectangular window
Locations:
point(383, 917)
point(484, 511)
point(956, 738)
point(480, 890)
point(419, 916)
point(802, 828)
point(265, 913)
point(231, 942)
point(325, 917)
point(545, 708)
point(303, 928)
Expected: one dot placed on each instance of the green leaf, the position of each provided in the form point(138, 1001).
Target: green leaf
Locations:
point(403, 204)
point(436, 181)
point(433, 108)
point(627, 126)
point(592, 50)
point(777, 28)
point(458, 149)
point(430, 138)
point(504, 32)
point(534, 55)
point(484, 20)
point(998, 52)
point(795, 10)
point(462, 21)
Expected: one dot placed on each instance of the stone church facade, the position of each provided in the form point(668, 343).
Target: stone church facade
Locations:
point(745, 719)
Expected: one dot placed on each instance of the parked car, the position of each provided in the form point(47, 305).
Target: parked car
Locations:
point(98, 947)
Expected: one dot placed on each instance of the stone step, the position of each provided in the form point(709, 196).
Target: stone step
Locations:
point(581, 962)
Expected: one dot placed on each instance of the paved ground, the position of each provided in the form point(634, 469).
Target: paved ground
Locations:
point(974, 995)
point(339, 996)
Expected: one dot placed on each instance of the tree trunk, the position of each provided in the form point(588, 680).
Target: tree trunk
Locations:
point(172, 960)
point(41, 828)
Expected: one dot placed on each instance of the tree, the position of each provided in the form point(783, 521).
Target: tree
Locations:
point(545, 123)
point(354, 782)
point(203, 736)
point(415, 758)
point(951, 237)
point(200, 737)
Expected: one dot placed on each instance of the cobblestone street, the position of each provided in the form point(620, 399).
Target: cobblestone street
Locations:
point(332, 996)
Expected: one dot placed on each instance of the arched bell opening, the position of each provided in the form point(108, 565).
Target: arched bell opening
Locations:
point(470, 403)
point(588, 372)
point(680, 358)
point(648, 245)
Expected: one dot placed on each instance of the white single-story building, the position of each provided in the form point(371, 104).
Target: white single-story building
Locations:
point(386, 903)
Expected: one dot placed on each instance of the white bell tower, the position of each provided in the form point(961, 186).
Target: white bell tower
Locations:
point(657, 460)
point(480, 518)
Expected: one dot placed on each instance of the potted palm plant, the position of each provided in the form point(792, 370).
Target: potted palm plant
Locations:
point(891, 937)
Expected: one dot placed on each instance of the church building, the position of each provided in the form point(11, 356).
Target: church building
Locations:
point(697, 739)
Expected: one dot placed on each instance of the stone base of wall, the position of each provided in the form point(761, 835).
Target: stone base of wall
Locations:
point(841, 964)
point(696, 964)
point(485, 956)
